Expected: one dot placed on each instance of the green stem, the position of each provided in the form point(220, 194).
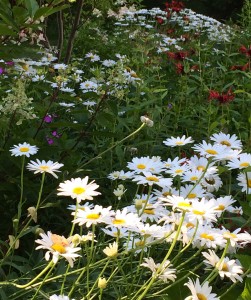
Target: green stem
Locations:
point(19, 211)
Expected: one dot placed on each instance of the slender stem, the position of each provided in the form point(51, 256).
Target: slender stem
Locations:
point(19, 208)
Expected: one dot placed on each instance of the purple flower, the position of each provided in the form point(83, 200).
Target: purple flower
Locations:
point(48, 119)
point(49, 141)
point(55, 134)
point(2, 71)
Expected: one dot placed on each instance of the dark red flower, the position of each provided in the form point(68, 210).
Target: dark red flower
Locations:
point(176, 6)
point(246, 51)
point(159, 20)
point(223, 98)
point(179, 68)
point(180, 55)
point(240, 68)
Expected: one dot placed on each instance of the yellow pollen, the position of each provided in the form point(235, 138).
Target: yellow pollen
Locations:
point(179, 143)
point(225, 143)
point(24, 149)
point(201, 296)
point(93, 216)
point(152, 178)
point(59, 248)
point(166, 194)
point(198, 212)
point(25, 67)
point(225, 267)
point(207, 236)
point(78, 190)
point(220, 207)
point(245, 164)
point(139, 243)
point(200, 168)
point(190, 225)
point(118, 222)
point(191, 195)
point(178, 171)
point(211, 151)
point(249, 183)
point(229, 235)
point(141, 166)
point(210, 181)
point(149, 211)
point(44, 168)
point(194, 178)
point(184, 204)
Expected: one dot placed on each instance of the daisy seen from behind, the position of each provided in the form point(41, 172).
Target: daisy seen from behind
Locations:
point(78, 188)
point(44, 167)
point(23, 149)
point(200, 292)
point(57, 246)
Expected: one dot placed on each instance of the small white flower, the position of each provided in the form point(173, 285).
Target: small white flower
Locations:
point(200, 291)
point(44, 167)
point(178, 141)
point(24, 149)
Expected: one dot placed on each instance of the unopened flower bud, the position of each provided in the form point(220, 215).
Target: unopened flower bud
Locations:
point(32, 212)
point(102, 283)
point(147, 121)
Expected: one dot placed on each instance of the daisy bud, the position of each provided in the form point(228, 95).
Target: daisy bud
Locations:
point(112, 250)
point(32, 212)
point(76, 239)
point(13, 243)
point(102, 283)
point(138, 204)
point(147, 121)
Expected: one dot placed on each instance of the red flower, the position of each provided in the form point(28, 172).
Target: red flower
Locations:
point(246, 51)
point(223, 98)
point(159, 20)
point(176, 6)
point(241, 68)
point(179, 68)
point(180, 55)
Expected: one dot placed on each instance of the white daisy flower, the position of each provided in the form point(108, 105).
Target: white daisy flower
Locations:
point(191, 192)
point(150, 179)
point(223, 203)
point(207, 236)
point(200, 291)
point(93, 57)
point(145, 164)
point(23, 149)
point(209, 150)
point(226, 140)
point(245, 182)
point(60, 297)
point(211, 182)
point(77, 188)
point(191, 175)
point(173, 162)
point(123, 219)
point(163, 271)
point(178, 141)
point(243, 161)
point(44, 167)
point(57, 246)
point(227, 268)
point(112, 250)
point(176, 202)
point(90, 216)
point(177, 170)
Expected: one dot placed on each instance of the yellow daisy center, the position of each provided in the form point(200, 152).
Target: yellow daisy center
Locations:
point(211, 151)
point(201, 296)
point(141, 166)
point(225, 143)
point(139, 244)
point(179, 143)
point(24, 149)
point(245, 164)
point(198, 212)
point(190, 225)
point(59, 248)
point(229, 235)
point(207, 236)
point(166, 194)
point(225, 267)
point(118, 222)
point(149, 211)
point(44, 168)
point(191, 195)
point(178, 171)
point(152, 178)
point(184, 204)
point(220, 207)
point(201, 168)
point(78, 190)
point(193, 178)
point(249, 183)
point(25, 67)
point(93, 216)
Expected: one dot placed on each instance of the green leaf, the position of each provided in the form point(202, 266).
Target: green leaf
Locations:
point(246, 294)
point(8, 19)
point(31, 6)
point(47, 11)
point(5, 30)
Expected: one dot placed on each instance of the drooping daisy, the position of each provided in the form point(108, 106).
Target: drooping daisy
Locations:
point(243, 161)
point(211, 182)
point(178, 141)
point(226, 140)
point(223, 203)
point(245, 182)
point(57, 246)
point(44, 167)
point(77, 188)
point(163, 271)
point(227, 268)
point(200, 291)
point(23, 149)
